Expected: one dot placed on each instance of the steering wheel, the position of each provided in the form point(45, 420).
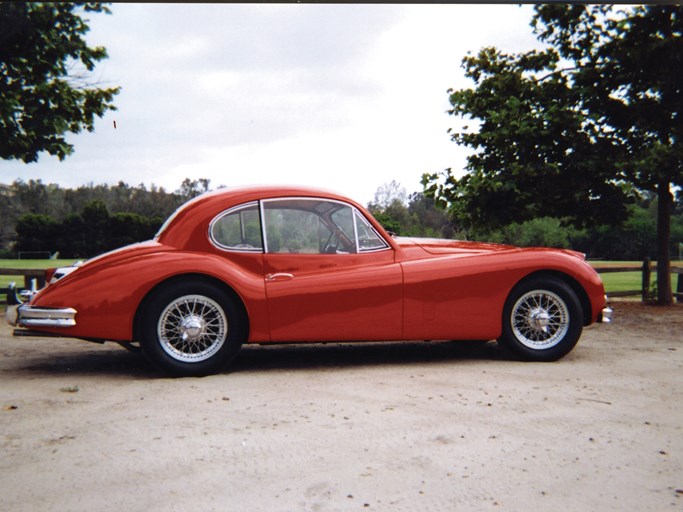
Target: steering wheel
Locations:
point(330, 246)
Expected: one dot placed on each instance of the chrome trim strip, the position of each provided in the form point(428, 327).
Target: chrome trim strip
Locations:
point(31, 316)
point(354, 214)
point(262, 214)
point(369, 225)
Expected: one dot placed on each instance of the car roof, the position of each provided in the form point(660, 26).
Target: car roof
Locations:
point(269, 191)
point(176, 230)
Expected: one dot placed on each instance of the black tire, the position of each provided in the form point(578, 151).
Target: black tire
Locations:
point(191, 328)
point(542, 319)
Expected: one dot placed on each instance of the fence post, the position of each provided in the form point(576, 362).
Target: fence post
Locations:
point(40, 281)
point(646, 278)
point(679, 287)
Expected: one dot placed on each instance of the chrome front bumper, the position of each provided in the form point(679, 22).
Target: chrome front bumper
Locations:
point(606, 315)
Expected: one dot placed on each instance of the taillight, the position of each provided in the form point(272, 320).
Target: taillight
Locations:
point(49, 274)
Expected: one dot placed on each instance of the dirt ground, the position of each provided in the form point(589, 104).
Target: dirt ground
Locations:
point(399, 426)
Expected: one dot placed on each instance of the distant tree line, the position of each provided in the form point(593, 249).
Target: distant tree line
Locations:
point(634, 239)
point(86, 221)
point(91, 219)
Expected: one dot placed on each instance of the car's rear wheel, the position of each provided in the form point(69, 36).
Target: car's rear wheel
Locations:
point(542, 319)
point(191, 328)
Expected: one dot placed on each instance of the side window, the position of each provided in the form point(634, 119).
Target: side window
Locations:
point(238, 229)
point(368, 239)
point(308, 226)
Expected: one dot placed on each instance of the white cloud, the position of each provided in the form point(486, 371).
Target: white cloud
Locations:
point(343, 96)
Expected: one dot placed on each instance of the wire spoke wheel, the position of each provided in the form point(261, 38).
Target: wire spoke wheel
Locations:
point(540, 319)
point(192, 328)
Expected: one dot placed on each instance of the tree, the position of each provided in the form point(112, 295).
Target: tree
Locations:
point(67, 206)
point(127, 228)
point(420, 217)
point(575, 130)
point(388, 194)
point(389, 207)
point(36, 232)
point(44, 88)
point(428, 219)
point(192, 188)
point(542, 231)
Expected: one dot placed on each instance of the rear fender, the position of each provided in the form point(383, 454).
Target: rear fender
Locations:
point(107, 297)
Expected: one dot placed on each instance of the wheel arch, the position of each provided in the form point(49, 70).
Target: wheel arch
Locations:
point(137, 320)
point(576, 287)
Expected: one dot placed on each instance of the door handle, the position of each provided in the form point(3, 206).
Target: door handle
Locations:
point(279, 276)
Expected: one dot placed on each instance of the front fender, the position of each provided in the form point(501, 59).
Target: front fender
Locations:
point(462, 296)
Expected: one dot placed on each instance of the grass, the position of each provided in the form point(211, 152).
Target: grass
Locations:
point(626, 281)
point(35, 263)
point(622, 281)
point(28, 264)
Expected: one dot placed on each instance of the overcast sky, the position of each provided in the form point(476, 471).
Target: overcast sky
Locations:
point(346, 97)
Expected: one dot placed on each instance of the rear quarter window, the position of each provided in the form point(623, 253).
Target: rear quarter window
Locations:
point(238, 229)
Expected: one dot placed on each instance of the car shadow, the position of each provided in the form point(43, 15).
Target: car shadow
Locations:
point(344, 355)
point(262, 358)
point(88, 362)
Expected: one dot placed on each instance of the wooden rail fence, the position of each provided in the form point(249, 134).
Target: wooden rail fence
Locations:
point(646, 268)
point(28, 275)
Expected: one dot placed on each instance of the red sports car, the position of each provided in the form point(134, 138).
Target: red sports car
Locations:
point(291, 264)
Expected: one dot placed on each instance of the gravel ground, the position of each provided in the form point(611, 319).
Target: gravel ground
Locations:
point(398, 426)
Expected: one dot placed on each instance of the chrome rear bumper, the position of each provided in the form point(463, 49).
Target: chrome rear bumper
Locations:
point(24, 315)
point(30, 316)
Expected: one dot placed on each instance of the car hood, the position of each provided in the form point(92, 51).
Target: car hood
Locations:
point(441, 246)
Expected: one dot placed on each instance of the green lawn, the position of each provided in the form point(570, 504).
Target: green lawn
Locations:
point(623, 281)
point(5, 280)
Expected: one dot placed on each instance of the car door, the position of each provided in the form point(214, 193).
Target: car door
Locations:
point(328, 275)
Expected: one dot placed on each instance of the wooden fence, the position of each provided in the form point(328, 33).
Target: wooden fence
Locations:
point(646, 269)
point(29, 274)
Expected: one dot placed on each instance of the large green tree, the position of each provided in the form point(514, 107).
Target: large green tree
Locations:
point(576, 129)
point(45, 64)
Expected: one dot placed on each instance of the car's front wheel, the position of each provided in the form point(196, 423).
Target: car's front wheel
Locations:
point(191, 329)
point(542, 319)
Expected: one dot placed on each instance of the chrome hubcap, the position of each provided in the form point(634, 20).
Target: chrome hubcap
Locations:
point(540, 319)
point(192, 328)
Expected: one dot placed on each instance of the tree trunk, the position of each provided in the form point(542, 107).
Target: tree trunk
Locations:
point(664, 206)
